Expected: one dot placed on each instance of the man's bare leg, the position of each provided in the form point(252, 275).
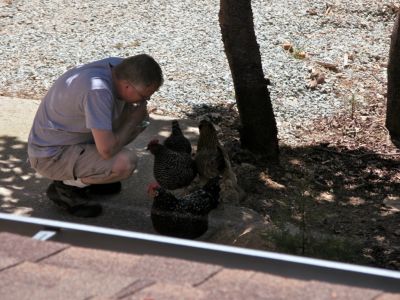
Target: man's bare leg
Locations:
point(124, 165)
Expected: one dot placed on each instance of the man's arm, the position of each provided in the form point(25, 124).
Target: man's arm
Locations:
point(109, 143)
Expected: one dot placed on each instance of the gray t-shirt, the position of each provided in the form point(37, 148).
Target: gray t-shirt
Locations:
point(81, 99)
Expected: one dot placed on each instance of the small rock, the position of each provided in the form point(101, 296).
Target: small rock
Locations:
point(312, 84)
point(287, 46)
point(321, 78)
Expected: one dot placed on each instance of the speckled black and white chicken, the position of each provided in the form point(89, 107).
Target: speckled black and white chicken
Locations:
point(187, 216)
point(212, 160)
point(172, 170)
point(177, 141)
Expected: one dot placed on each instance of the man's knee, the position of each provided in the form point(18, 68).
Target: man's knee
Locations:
point(125, 163)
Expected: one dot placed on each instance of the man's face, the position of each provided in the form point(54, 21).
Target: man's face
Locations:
point(132, 93)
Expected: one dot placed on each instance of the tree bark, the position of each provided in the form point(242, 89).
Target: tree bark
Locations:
point(393, 85)
point(258, 131)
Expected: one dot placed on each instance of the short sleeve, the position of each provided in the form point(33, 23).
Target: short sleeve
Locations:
point(98, 107)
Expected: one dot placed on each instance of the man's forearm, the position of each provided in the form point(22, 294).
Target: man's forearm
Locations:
point(125, 129)
point(129, 125)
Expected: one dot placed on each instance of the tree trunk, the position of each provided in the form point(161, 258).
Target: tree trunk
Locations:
point(258, 126)
point(393, 87)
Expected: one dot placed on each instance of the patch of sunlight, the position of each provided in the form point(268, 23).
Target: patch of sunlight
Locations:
point(165, 133)
point(393, 202)
point(297, 216)
point(379, 238)
point(18, 170)
point(7, 166)
point(246, 231)
point(272, 184)
point(5, 192)
point(8, 179)
point(14, 159)
point(26, 177)
point(38, 176)
point(356, 201)
point(296, 162)
point(23, 210)
point(16, 187)
point(8, 199)
point(246, 216)
point(190, 130)
point(18, 146)
point(387, 213)
point(325, 197)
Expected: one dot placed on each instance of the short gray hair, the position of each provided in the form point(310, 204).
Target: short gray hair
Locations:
point(140, 69)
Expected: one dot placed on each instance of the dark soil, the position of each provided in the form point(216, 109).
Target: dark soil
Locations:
point(334, 195)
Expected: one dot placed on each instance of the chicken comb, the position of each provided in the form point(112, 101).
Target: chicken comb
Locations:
point(152, 185)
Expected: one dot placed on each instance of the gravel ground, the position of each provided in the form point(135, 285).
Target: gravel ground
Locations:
point(42, 39)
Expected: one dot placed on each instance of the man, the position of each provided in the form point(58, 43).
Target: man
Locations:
point(82, 125)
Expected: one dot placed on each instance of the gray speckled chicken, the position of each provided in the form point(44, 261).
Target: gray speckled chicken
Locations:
point(177, 141)
point(172, 170)
point(187, 216)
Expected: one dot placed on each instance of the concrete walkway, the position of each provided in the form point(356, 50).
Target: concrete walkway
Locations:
point(23, 192)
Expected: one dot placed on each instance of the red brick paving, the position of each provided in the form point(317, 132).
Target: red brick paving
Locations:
point(28, 249)
point(31, 269)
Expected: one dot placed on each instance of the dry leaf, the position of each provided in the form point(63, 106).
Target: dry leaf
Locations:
point(301, 55)
point(328, 9)
point(328, 65)
point(312, 84)
point(312, 12)
point(320, 78)
point(287, 46)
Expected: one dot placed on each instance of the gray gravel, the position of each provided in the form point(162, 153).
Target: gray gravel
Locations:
point(41, 39)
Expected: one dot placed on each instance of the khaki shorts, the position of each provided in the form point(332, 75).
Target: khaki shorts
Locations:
point(76, 161)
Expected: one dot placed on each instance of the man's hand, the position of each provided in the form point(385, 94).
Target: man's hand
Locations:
point(141, 115)
point(132, 113)
point(138, 112)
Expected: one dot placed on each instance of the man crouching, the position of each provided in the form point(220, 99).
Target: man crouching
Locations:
point(82, 125)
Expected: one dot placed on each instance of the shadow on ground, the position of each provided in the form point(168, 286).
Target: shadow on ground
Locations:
point(323, 200)
point(22, 191)
point(20, 186)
